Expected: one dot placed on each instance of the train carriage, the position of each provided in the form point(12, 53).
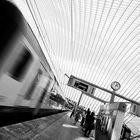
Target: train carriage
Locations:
point(25, 75)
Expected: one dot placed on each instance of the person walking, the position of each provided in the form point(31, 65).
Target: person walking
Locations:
point(77, 116)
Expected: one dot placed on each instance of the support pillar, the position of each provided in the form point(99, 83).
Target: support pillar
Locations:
point(112, 98)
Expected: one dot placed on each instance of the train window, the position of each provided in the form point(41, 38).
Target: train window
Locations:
point(44, 92)
point(21, 65)
point(34, 83)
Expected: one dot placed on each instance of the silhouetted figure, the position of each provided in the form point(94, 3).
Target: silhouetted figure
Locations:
point(86, 119)
point(87, 116)
point(90, 124)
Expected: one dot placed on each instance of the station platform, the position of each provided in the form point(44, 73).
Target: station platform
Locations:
point(53, 127)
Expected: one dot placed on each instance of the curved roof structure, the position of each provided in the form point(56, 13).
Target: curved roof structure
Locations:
point(95, 40)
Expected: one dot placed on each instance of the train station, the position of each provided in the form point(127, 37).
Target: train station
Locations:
point(69, 70)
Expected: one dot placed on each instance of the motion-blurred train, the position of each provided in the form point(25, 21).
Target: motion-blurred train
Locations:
point(26, 78)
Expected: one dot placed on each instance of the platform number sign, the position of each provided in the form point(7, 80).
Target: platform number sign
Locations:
point(81, 85)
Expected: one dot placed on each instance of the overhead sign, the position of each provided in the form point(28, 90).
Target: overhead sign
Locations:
point(81, 85)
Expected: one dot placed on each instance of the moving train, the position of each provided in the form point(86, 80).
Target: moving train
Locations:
point(26, 78)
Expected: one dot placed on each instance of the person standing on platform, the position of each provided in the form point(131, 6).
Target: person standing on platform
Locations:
point(88, 113)
point(86, 119)
point(77, 117)
point(87, 116)
point(90, 124)
point(73, 112)
point(83, 118)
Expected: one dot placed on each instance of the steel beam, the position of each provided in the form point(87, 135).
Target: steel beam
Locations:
point(118, 95)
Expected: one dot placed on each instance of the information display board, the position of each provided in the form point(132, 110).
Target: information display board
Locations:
point(81, 85)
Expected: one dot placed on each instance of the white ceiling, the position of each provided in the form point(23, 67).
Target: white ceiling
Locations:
point(95, 40)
